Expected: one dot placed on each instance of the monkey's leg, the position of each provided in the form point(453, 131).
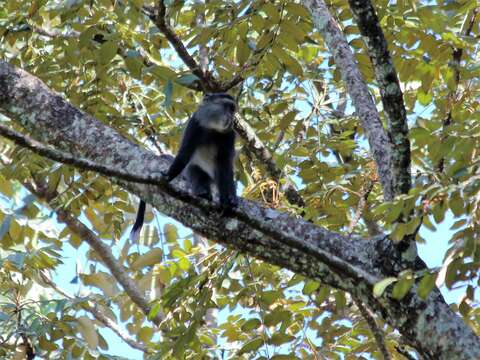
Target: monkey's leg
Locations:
point(226, 183)
point(200, 182)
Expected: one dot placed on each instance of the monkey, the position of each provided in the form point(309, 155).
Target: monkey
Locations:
point(207, 152)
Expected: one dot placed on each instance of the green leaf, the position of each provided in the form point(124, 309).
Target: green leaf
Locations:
point(108, 50)
point(424, 98)
point(379, 288)
point(298, 10)
point(284, 357)
point(134, 66)
point(168, 92)
point(251, 324)
point(277, 316)
point(271, 11)
point(399, 232)
point(251, 345)
point(402, 287)
point(280, 338)
point(154, 310)
point(426, 285)
point(310, 286)
point(163, 72)
point(242, 52)
point(186, 80)
point(170, 232)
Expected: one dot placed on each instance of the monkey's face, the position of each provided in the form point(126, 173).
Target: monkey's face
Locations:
point(217, 112)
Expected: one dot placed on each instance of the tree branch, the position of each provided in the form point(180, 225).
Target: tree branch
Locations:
point(102, 250)
point(258, 148)
point(362, 202)
point(365, 108)
point(157, 15)
point(452, 95)
point(100, 316)
point(390, 92)
point(376, 331)
point(349, 263)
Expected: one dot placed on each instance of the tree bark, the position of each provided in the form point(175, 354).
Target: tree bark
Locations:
point(351, 263)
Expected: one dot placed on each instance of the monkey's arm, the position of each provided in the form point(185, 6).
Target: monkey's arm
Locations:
point(225, 176)
point(189, 143)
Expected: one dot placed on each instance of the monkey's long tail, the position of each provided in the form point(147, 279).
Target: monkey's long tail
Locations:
point(137, 227)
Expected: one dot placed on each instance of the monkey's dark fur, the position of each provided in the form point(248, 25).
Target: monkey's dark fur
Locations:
point(207, 151)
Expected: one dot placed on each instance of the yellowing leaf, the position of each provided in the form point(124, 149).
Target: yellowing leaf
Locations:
point(102, 281)
point(86, 327)
point(379, 287)
point(170, 232)
point(46, 345)
point(150, 258)
point(145, 334)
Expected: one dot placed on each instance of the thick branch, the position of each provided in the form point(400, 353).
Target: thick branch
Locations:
point(380, 144)
point(80, 229)
point(345, 262)
point(390, 92)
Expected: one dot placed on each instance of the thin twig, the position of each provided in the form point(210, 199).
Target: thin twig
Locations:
point(376, 331)
point(100, 316)
point(83, 232)
point(158, 15)
point(367, 188)
point(453, 94)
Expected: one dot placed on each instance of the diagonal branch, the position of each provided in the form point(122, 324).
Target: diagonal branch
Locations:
point(376, 331)
point(258, 148)
point(349, 263)
point(102, 250)
point(81, 163)
point(380, 144)
point(390, 92)
point(158, 15)
point(100, 316)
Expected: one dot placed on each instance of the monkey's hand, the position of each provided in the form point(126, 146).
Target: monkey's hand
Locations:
point(167, 175)
point(228, 202)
